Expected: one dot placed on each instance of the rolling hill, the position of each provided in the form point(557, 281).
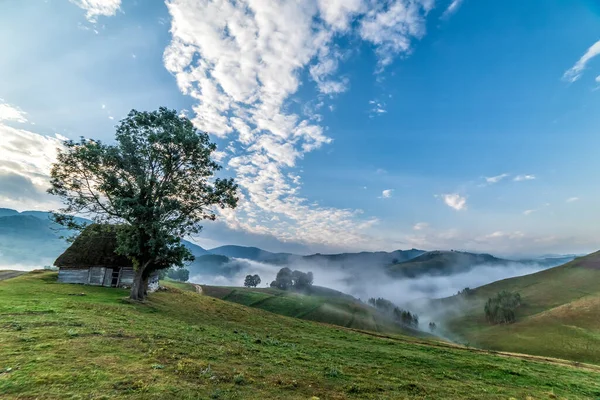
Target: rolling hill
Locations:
point(69, 341)
point(442, 263)
point(559, 317)
point(320, 305)
point(251, 253)
point(365, 259)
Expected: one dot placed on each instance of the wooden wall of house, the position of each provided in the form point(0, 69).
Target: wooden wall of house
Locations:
point(103, 276)
point(127, 275)
point(97, 275)
point(73, 275)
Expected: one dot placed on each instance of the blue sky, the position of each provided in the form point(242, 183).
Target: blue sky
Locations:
point(350, 125)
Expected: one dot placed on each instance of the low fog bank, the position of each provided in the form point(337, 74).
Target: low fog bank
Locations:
point(374, 282)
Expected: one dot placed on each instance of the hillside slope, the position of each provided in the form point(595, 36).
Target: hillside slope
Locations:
point(57, 343)
point(442, 263)
point(322, 305)
point(560, 315)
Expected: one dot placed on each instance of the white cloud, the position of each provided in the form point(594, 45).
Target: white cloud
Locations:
point(11, 113)
point(452, 8)
point(495, 179)
point(393, 25)
point(455, 201)
point(387, 193)
point(242, 62)
point(520, 178)
point(575, 72)
point(572, 199)
point(528, 212)
point(25, 160)
point(419, 226)
point(377, 108)
point(97, 8)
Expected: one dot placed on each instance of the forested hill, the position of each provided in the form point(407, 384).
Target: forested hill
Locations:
point(442, 263)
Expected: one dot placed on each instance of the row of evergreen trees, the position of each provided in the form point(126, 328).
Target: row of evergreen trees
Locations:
point(401, 316)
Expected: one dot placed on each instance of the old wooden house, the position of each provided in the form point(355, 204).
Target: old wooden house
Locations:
point(92, 260)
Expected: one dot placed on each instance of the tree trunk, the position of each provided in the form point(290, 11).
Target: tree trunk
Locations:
point(143, 288)
point(135, 288)
point(139, 287)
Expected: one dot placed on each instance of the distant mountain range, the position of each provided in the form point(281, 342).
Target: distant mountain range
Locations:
point(31, 239)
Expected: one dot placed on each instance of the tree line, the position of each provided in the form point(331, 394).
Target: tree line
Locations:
point(401, 316)
point(287, 279)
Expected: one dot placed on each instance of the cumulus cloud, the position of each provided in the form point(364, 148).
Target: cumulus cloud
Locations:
point(572, 199)
point(528, 212)
point(495, 179)
point(387, 193)
point(520, 178)
point(575, 72)
point(11, 113)
point(452, 8)
point(393, 25)
point(242, 62)
point(25, 160)
point(455, 201)
point(98, 8)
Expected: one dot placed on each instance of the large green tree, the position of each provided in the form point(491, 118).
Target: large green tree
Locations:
point(157, 182)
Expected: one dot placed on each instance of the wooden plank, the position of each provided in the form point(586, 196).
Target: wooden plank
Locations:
point(73, 275)
point(127, 275)
point(107, 277)
point(96, 275)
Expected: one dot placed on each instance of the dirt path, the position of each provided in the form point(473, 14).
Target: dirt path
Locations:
point(8, 274)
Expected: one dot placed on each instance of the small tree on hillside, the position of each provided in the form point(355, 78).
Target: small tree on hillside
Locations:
point(501, 308)
point(179, 274)
point(252, 281)
point(283, 280)
point(432, 326)
point(288, 279)
point(156, 182)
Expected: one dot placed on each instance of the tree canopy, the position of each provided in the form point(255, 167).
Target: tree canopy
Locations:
point(501, 308)
point(157, 182)
point(296, 280)
point(252, 281)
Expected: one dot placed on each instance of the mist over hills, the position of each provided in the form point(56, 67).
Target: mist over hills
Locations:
point(30, 240)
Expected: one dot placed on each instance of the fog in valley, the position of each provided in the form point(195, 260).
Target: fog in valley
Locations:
point(364, 283)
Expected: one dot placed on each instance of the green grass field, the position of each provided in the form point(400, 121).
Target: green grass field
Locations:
point(56, 343)
point(560, 315)
point(327, 306)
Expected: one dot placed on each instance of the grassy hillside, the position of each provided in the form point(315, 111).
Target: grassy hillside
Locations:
point(322, 305)
point(57, 344)
point(441, 263)
point(560, 315)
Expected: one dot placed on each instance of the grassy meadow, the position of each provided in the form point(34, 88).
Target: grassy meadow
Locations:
point(60, 341)
point(559, 317)
point(326, 306)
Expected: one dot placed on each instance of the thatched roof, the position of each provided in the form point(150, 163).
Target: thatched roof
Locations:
point(94, 247)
